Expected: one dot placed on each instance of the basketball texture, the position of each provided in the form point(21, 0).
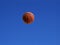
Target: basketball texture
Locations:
point(28, 17)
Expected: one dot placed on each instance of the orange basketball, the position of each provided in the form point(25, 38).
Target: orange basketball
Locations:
point(28, 17)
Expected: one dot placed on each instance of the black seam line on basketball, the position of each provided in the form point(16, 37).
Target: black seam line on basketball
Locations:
point(27, 19)
point(30, 18)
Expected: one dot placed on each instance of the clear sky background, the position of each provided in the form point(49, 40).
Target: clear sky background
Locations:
point(43, 31)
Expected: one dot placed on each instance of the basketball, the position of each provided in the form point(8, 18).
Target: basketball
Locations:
point(28, 17)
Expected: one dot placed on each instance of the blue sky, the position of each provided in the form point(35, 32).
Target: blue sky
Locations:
point(43, 31)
